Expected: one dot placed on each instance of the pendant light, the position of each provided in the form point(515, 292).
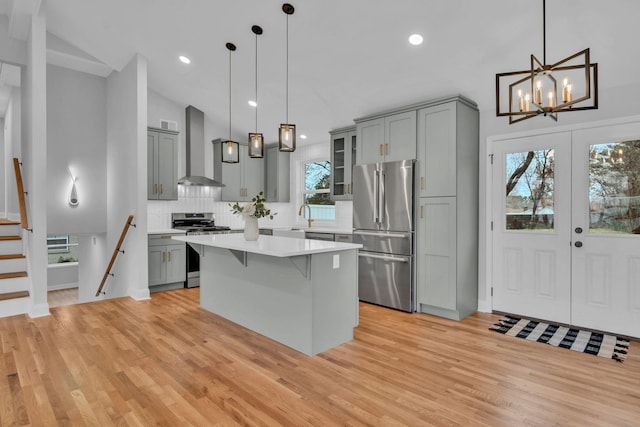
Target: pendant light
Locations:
point(287, 131)
point(230, 149)
point(256, 140)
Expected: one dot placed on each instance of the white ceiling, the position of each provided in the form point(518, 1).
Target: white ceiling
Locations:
point(348, 58)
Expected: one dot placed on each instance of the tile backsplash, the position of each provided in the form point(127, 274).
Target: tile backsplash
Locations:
point(207, 199)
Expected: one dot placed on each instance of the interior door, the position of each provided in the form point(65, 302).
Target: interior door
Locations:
point(606, 229)
point(531, 226)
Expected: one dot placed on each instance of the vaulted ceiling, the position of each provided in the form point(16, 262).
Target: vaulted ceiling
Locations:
point(346, 58)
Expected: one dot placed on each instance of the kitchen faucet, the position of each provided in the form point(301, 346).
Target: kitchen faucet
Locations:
point(309, 220)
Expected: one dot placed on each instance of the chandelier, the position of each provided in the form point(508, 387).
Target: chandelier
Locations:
point(570, 84)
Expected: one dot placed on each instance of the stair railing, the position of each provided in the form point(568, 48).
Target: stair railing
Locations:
point(24, 221)
point(116, 251)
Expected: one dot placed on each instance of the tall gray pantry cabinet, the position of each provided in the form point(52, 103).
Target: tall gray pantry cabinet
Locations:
point(162, 164)
point(447, 224)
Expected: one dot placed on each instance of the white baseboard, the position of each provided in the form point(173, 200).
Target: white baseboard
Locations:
point(62, 286)
point(39, 310)
point(140, 294)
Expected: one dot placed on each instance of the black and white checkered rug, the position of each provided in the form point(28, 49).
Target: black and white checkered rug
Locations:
point(603, 345)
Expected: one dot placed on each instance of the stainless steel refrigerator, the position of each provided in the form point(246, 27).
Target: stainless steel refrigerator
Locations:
point(383, 222)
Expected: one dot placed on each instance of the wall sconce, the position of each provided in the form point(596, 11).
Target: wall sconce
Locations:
point(73, 194)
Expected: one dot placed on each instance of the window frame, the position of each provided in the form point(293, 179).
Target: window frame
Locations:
point(302, 194)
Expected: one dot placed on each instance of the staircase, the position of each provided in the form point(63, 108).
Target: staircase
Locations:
point(14, 284)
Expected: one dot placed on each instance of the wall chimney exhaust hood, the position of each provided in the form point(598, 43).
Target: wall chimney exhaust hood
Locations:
point(195, 151)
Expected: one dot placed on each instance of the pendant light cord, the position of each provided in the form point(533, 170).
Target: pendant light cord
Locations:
point(229, 95)
point(256, 129)
point(544, 32)
point(287, 73)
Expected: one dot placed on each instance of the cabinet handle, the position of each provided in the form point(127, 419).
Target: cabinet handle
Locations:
point(386, 149)
point(421, 212)
point(169, 256)
point(380, 149)
point(156, 190)
point(163, 256)
point(421, 183)
point(161, 191)
point(347, 188)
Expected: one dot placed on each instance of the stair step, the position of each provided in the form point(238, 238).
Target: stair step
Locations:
point(14, 295)
point(4, 221)
point(13, 275)
point(10, 238)
point(11, 256)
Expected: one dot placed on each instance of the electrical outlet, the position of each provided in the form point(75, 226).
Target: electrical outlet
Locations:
point(336, 261)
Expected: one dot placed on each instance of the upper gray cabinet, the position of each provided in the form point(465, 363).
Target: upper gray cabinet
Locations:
point(343, 157)
point(242, 180)
point(386, 138)
point(447, 148)
point(162, 164)
point(277, 175)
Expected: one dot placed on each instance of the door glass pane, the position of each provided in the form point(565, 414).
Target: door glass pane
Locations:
point(529, 190)
point(614, 188)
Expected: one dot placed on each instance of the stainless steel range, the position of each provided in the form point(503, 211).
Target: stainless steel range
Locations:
point(196, 223)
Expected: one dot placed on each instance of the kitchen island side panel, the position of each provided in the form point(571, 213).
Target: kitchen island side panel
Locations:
point(272, 296)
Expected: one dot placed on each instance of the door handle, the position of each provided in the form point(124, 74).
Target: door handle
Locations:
point(384, 258)
point(163, 256)
point(156, 192)
point(421, 183)
point(169, 256)
point(380, 149)
point(578, 244)
point(161, 191)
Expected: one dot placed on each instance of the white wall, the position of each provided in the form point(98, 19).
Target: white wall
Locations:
point(34, 158)
point(3, 163)
point(12, 148)
point(127, 177)
point(93, 256)
point(76, 141)
point(62, 276)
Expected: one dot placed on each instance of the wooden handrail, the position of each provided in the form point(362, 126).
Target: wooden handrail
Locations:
point(115, 253)
point(21, 201)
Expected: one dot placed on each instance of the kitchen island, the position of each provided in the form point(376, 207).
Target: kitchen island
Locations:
point(301, 293)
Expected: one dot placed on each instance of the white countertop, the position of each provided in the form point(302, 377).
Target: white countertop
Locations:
point(314, 229)
point(165, 231)
point(268, 245)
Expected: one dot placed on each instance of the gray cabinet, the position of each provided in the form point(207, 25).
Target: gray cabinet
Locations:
point(277, 176)
point(162, 164)
point(447, 224)
point(167, 263)
point(242, 180)
point(343, 157)
point(386, 138)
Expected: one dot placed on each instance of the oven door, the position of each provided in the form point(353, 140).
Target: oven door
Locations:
point(193, 267)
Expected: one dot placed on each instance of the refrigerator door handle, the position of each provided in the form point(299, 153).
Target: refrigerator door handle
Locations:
point(378, 234)
point(384, 257)
point(376, 195)
point(381, 197)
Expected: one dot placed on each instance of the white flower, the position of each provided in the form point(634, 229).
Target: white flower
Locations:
point(248, 210)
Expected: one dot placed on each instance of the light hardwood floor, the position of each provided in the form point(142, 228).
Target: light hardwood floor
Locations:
point(168, 362)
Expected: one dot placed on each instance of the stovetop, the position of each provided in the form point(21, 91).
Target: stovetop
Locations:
point(200, 222)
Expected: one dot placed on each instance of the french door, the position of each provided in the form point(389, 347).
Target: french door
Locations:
point(566, 237)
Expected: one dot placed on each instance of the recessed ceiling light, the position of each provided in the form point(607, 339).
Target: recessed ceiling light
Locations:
point(184, 59)
point(415, 39)
point(303, 136)
point(253, 103)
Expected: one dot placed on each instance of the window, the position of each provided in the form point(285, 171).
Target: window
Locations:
point(62, 249)
point(317, 177)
